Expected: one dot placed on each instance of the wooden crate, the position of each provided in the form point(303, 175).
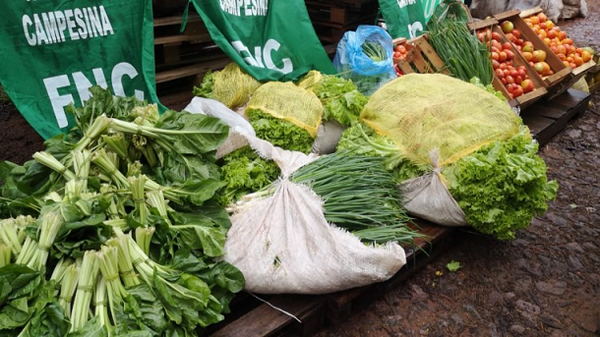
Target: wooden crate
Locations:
point(575, 75)
point(561, 71)
point(421, 57)
point(524, 100)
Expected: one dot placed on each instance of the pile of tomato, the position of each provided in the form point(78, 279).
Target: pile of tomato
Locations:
point(512, 75)
point(558, 41)
point(535, 57)
point(400, 52)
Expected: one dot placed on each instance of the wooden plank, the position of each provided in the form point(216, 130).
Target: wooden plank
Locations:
point(537, 125)
point(266, 321)
point(529, 12)
point(176, 20)
point(179, 38)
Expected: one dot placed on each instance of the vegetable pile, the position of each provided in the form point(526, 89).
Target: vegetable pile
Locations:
point(115, 229)
point(359, 195)
point(500, 187)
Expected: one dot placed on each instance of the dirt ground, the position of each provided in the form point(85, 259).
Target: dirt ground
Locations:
point(544, 283)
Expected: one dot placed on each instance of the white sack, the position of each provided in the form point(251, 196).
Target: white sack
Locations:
point(427, 197)
point(283, 243)
point(483, 8)
point(328, 137)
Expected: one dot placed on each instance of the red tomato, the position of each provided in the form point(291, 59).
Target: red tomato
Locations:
point(507, 46)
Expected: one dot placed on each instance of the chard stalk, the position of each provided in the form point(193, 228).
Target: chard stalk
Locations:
point(60, 269)
point(30, 246)
point(98, 127)
point(128, 275)
point(157, 200)
point(81, 166)
point(100, 309)
point(136, 185)
point(48, 160)
point(9, 235)
point(143, 237)
point(85, 288)
point(109, 266)
point(134, 168)
point(118, 144)
point(5, 254)
point(106, 163)
point(68, 287)
point(22, 222)
point(51, 223)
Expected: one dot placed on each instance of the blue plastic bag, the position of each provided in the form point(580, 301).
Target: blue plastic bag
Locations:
point(352, 62)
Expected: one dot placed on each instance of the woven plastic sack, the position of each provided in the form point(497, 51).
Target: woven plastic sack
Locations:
point(286, 101)
point(423, 112)
point(351, 62)
point(233, 87)
point(283, 244)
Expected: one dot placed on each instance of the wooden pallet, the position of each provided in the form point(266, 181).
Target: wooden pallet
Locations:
point(421, 57)
point(547, 118)
point(315, 311)
point(331, 19)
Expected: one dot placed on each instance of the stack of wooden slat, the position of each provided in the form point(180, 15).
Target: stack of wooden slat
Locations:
point(182, 59)
point(332, 18)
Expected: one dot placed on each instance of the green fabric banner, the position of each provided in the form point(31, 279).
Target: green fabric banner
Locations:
point(407, 18)
point(52, 51)
point(270, 40)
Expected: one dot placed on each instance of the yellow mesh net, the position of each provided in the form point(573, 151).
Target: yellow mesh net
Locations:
point(291, 103)
point(233, 87)
point(423, 112)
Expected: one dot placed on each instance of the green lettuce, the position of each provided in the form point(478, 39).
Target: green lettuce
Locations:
point(279, 132)
point(502, 186)
point(361, 139)
point(245, 172)
point(340, 98)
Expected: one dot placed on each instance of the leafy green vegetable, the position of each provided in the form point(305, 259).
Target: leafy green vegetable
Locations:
point(489, 88)
point(453, 266)
point(340, 98)
point(280, 132)
point(349, 184)
point(502, 186)
point(206, 87)
point(245, 172)
point(110, 179)
point(361, 139)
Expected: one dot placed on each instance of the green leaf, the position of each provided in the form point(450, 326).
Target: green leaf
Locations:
point(279, 132)
point(453, 266)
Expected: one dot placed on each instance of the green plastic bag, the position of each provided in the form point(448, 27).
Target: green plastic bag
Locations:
point(270, 40)
point(52, 51)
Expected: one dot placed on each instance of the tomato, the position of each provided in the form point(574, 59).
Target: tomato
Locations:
point(518, 79)
point(507, 26)
point(502, 56)
point(510, 79)
point(522, 73)
point(519, 42)
point(499, 73)
point(535, 20)
point(509, 54)
point(528, 46)
point(542, 17)
point(516, 33)
point(586, 56)
point(527, 55)
point(495, 56)
point(551, 34)
point(539, 67)
point(518, 91)
point(561, 35)
point(507, 46)
point(538, 55)
point(513, 72)
point(549, 25)
point(496, 36)
point(567, 41)
point(527, 85)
